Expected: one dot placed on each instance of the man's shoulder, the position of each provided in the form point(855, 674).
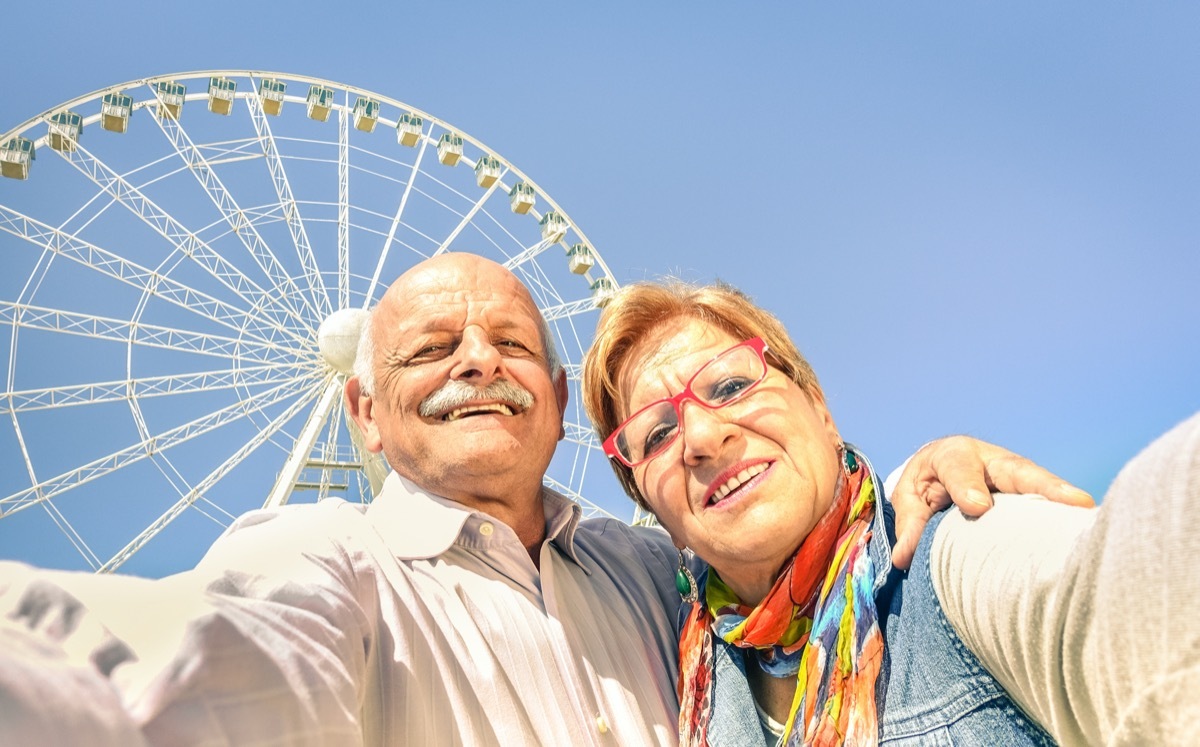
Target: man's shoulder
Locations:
point(611, 536)
point(324, 520)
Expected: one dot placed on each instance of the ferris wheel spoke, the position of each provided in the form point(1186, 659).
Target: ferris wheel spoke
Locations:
point(201, 488)
point(529, 253)
point(343, 228)
point(150, 335)
point(396, 221)
point(287, 202)
point(28, 400)
point(55, 486)
point(151, 282)
point(580, 435)
point(470, 215)
point(81, 546)
point(302, 449)
point(571, 308)
point(185, 242)
point(221, 197)
point(589, 509)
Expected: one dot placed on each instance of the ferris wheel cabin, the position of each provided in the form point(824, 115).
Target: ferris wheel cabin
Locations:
point(320, 102)
point(366, 114)
point(521, 197)
point(170, 98)
point(115, 109)
point(271, 92)
point(408, 129)
point(65, 129)
point(602, 290)
point(554, 227)
point(450, 148)
point(15, 157)
point(579, 259)
point(487, 171)
point(220, 95)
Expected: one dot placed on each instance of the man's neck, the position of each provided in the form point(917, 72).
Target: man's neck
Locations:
point(525, 516)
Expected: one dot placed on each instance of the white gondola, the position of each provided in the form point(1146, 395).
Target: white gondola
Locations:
point(554, 226)
point(115, 109)
point(521, 197)
point(408, 129)
point(366, 114)
point(602, 290)
point(579, 259)
point(271, 92)
point(170, 98)
point(487, 171)
point(220, 95)
point(320, 102)
point(65, 128)
point(450, 148)
point(15, 157)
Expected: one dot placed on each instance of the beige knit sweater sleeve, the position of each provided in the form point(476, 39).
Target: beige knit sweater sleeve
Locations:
point(1090, 619)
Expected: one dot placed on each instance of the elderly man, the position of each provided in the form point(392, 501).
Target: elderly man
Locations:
point(466, 605)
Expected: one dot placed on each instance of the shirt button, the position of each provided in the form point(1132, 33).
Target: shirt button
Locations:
point(486, 529)
point(601, 725)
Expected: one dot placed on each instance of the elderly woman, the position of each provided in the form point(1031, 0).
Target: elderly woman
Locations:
point(800, 631)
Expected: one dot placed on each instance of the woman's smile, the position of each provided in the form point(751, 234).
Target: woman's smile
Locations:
point(735, 483)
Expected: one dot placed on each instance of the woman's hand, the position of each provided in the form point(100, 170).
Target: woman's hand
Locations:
point(966, 471)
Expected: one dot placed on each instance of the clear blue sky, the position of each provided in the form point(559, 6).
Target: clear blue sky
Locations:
point(977, 218)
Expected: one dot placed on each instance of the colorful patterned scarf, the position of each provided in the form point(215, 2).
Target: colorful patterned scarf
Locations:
point(818, 623)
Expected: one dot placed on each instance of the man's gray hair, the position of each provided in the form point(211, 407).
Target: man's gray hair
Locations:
point(364, 360)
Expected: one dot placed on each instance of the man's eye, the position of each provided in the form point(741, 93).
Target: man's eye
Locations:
point(431, 352)
point(511, 345)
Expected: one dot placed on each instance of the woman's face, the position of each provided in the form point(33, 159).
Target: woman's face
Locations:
point(776, 448)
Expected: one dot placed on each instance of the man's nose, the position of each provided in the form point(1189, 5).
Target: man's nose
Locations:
point(477, 360)
point(705, 432)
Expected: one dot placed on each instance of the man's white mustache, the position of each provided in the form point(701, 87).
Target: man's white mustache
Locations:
point(454, 394)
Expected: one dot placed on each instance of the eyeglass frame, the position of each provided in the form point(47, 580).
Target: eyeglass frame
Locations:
point(757, 344)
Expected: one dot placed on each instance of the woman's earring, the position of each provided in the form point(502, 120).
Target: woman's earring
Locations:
point(849, 459)
point(685, 582)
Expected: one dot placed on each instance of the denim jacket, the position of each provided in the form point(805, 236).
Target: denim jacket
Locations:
point(931, 688)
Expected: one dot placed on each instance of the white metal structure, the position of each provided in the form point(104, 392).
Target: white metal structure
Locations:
point(165, 277)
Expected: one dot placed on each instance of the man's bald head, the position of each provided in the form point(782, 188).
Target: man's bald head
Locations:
point(418, 276)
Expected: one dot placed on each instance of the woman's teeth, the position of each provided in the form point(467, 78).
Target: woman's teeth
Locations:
point(737, 481)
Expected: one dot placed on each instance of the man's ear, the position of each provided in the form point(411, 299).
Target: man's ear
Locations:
point(361, 407)
point(560, 393)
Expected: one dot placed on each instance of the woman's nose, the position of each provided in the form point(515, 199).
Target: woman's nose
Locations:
point(705, 432)
point(477, 360)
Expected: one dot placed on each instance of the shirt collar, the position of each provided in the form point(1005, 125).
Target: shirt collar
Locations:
point(417, 524)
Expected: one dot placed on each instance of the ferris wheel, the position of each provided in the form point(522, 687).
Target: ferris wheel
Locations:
point(186, 260)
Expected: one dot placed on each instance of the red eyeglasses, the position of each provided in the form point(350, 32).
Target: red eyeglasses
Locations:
point(722, 381)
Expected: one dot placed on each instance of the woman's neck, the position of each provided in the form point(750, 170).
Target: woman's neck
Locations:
point(773, 694)
point(753, 583)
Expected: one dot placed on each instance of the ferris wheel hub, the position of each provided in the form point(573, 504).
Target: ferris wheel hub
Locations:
point(337, 338)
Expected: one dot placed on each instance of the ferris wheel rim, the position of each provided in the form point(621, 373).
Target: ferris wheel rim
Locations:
point(258, 74)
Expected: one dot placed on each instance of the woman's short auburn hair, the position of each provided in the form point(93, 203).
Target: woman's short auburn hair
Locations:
point(636, 309)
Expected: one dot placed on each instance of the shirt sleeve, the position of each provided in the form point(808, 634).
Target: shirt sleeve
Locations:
point(1088, 617)
point(265, 642)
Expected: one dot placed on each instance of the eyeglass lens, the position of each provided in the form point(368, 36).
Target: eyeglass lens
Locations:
point(721, 381)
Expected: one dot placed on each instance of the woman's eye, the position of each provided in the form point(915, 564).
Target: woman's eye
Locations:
point(727, 389)
point(660, 434)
